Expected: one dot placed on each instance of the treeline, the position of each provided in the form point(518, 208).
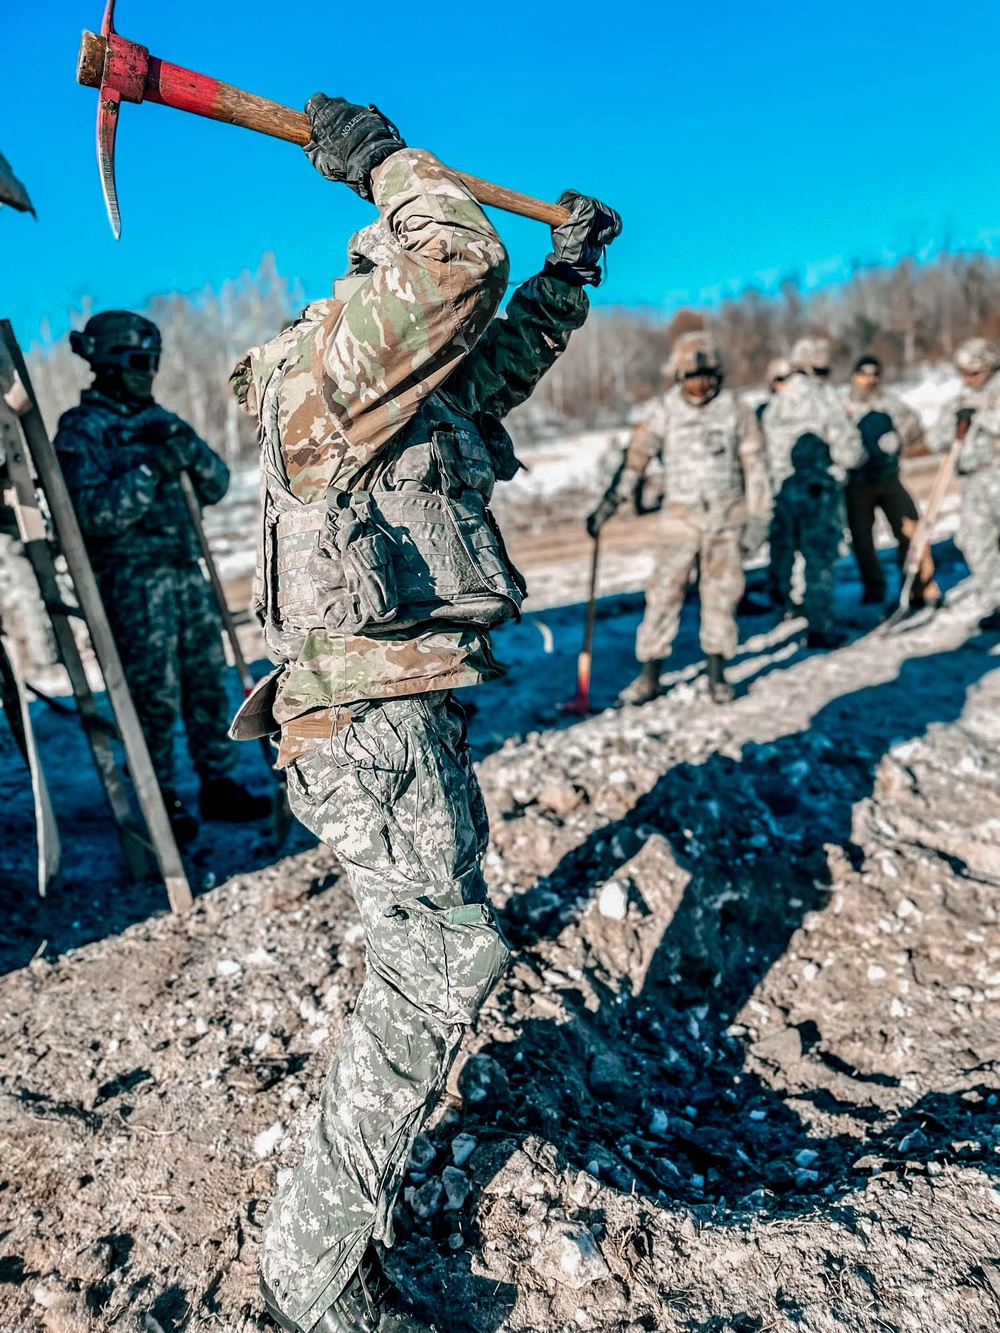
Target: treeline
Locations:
point(908, 313)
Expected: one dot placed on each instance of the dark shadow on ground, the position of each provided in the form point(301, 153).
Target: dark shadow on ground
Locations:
point(94, 896)
point(751, 834)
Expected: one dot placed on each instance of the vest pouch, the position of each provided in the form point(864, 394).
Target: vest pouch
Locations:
point(463, 461)
point(364, 560)
point(449, 565)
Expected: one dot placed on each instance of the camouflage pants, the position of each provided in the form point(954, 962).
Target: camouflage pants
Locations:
point(808, 517)
point(706, 537)
point(394, 794)
point(169, 637)
point(979, 532)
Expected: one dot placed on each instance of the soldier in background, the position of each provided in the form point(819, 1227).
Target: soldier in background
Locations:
point(121, 454)
point(978, 400)
point(811, 446)
point(887, 425)
point(779, 372)
point(380, 575)
point(715, 511)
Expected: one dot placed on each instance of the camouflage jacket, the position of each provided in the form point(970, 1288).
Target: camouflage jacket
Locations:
point(807, 408)
point(887, 425)
point(980, 448)
point(351, 374)
point(712, 451)
point(127, 510)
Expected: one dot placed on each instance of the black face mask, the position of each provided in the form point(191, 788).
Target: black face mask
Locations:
point(125, 386)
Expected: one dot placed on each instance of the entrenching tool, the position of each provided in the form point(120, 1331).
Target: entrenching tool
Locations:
point(124, 71)
point(281, 814)
point(580, 703)
point(920, 540)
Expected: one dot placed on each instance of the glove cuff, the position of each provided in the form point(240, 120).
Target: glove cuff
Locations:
point(576, 275)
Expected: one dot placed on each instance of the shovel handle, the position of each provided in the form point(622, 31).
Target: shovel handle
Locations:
point(184, 90)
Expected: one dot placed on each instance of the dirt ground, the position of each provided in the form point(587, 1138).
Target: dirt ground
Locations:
point(744, 1074)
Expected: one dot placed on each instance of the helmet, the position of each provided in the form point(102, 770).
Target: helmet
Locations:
point(694, 354)
point(810, 354)
point(119, 338)
point(778, 368)
point(976, 355)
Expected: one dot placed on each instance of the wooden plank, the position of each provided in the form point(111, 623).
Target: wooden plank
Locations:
point(22, 400)
point(46, 832)
point(31, 525)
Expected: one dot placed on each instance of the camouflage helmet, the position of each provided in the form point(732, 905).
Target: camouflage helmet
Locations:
point(693, 354)
point(811, 354)
point(976, 355)
point(778, 368)
point(118, 338)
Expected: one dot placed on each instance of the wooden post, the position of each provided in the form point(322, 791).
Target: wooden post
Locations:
point(22, 401)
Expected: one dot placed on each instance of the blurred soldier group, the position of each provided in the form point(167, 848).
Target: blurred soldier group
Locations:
point(808, 462)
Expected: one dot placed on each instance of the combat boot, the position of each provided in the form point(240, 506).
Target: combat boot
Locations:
point(646, 685)
point(719, 688)
point(222, 798)
point(182, 821)
point(368, 1302)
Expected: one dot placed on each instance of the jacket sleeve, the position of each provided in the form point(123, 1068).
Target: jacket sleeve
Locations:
point(843, 436)
point(208, 472)
point(410, 322)
point(520, 346)
point(756, 478)
point(907, 424)
point(105, 505)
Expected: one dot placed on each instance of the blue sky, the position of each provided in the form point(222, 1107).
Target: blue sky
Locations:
point(740, 142)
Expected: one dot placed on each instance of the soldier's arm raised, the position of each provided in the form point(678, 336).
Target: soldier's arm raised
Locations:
point(519, 347)
point(105, 506)
point(515, 352)
point(410, 321)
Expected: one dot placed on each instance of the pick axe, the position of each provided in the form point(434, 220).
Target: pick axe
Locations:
point(124, 71)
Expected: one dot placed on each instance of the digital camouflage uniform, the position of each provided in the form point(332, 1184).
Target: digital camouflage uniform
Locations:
point(144, 551)
point(714, 479)
point(810, 446)
point(886, 425)
point(388, 394)
point(978, 533)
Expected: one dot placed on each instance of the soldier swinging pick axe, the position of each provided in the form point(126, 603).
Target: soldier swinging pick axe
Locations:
point(380, 576)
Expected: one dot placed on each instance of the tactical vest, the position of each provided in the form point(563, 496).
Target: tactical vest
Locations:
point(415, 546)
point(700, 453)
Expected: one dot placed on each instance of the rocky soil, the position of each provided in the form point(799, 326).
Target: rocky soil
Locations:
point(744, 1075)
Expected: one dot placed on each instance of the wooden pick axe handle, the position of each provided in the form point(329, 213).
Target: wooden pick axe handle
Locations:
point(183, 89)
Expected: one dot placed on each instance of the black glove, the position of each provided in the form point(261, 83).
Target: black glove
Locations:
point(605, 510)
point(348, 142)
point(578, 245)
point(173, 444)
